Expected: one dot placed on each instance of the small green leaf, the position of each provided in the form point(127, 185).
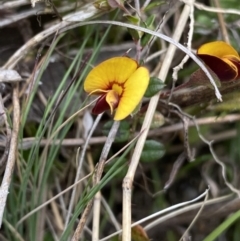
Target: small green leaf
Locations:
point(152, 151)
point(102, 5)
point(123, 130)
point(150, 20)
point(148, 24)
point(132, 19)
point(134, 33)
point(155, 85)
point(145, 39)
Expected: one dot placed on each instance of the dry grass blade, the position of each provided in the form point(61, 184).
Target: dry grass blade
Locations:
point(216, 10)
point(12, 152)
point(80, 162)
point(222, 23)
point(3, 117)
point(98, 175)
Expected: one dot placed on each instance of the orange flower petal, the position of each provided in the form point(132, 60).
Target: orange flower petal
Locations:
point(117, 70)
point(134, 89)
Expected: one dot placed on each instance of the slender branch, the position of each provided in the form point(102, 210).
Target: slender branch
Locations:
point(201, 6)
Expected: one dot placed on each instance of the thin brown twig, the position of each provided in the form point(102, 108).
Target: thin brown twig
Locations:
point(176, 166)
point(201, 6)
point(185, 122)
point(79, 168)
point(98, 176)
point(222, 23)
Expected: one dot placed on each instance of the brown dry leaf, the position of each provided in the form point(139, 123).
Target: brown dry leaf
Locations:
point(139, 234)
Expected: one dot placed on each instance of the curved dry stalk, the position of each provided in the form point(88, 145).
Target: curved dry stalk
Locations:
point(127, 182)
point(161, 36)
point(185, 209)
point(75, 20)
point(12, 152)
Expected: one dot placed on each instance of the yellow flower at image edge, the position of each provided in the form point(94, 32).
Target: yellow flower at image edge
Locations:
point(222, 59)
point(121, 84)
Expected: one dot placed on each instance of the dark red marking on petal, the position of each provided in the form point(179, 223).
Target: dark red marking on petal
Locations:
point(237, 64)
point(101, 105)
point(219, 67)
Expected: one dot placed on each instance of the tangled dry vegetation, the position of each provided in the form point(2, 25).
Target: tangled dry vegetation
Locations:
point(168, 172)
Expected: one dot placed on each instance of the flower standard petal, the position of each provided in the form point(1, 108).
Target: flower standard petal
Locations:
point(217, 49)
point(221, 58)
point(134, 89)
point(117, 69)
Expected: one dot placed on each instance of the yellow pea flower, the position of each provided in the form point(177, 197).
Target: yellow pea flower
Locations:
point(222, 59)
point(121, 84)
